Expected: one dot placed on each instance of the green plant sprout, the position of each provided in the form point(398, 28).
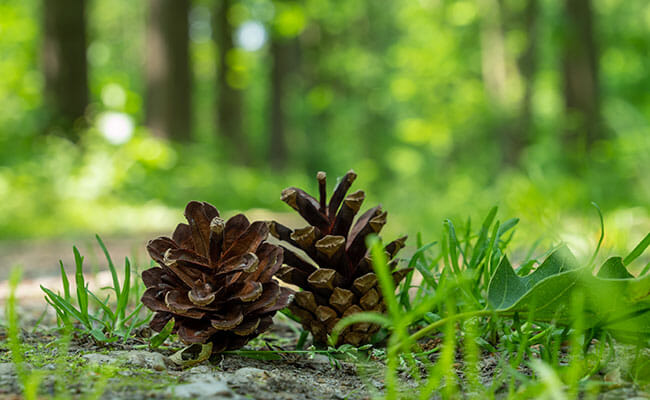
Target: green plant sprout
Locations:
point(110, 321)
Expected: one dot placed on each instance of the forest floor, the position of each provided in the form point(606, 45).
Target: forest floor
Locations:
point(129, 371)
point(133, 371)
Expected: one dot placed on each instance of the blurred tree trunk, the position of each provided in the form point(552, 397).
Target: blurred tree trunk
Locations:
point(527, 68)
point(168, 111)
point(315, 42)
point(64, 63)
point(284, 55)
point(493, 58)
point(581, 94)
point(229, 107)
point(494, 65)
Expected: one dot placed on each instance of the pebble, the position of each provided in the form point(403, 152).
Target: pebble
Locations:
point(202, 386)
point(97, 358)
point(248, 374)
point(320, 362)
point(136, 358)
point(7, 369)
point(7, 375)
point(199, 369)
point(143, 359)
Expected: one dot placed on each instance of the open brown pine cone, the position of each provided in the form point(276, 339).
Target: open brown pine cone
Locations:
point(215, 279)
point(338, 280)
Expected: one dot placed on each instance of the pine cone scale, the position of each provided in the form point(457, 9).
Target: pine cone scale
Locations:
point(234, 228)
point(187, 257)
point(338, 280)
point(249, 241)
point(228, 321)
point(215, 279)
point(183, 236)
point(199, 215)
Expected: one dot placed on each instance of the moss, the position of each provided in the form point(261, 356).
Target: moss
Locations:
point(61, 373)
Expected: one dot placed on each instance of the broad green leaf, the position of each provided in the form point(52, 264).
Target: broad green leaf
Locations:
point(614, 269)
point(613, 300)
point(506, 287)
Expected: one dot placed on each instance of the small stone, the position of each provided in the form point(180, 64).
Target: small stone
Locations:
point(7, 369)
point(143, 359)
point(98, 358)
point(248, 374)
point(320, 361)
point(202, 386)
point(199, 369)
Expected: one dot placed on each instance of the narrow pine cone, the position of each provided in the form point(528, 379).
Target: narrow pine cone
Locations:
point(215, 279)
point(337, 280)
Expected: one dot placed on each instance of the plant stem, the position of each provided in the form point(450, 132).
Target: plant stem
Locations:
point(432, 327)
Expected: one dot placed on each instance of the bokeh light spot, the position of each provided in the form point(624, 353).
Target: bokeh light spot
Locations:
point(251, 36)
point(113, 95)
point(117, 128)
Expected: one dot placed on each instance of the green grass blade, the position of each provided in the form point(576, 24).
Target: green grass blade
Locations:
point(453, 245)
point(265, 355)
point(139, 322)
point(65, 281)
point(506, 226)
point(638, 250)
point(414, 263)
point(365, 316)
point(29, 380)
point(467, 240)
point(384, 276)
point(159, 338)
point(103, 306)
point(123, 297)
point(491, 248)
point(645, 270)
point(82, 290)
point(134, 312)
point(59, 302)
point(111, 266)
point(59, 312)
point(602, 234)
point(481, 243)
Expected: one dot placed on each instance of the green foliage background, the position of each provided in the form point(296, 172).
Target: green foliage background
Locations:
point(396, 92)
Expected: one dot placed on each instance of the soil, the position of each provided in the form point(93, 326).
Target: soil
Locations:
point(132, 371)
point(135, 372)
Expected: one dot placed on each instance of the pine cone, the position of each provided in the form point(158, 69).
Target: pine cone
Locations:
point(344, 282)
point(215, 279)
